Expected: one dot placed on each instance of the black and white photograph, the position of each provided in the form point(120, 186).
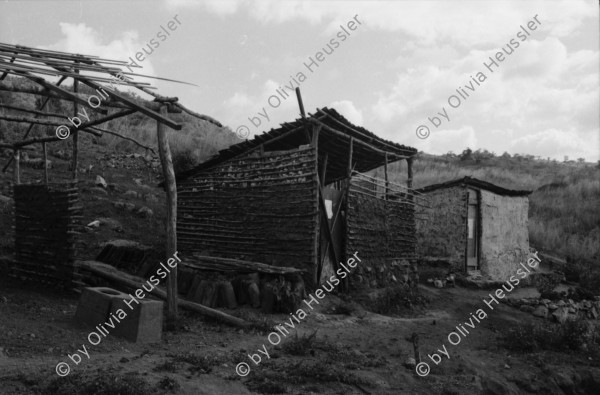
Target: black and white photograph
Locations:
point(345, 197)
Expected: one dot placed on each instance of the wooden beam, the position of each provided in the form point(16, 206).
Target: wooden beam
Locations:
point(42, 92)
point(17, 172)
point(364, 144)
point(3, 76)
point(385, 169)
point(56, 89)
point(101, 130)
point(110, 273)
point(75, 134)
point(44, 148)
point(370, 138)
point(171, 189)
point(324, 169)
point(409, 181)
point(132, 104)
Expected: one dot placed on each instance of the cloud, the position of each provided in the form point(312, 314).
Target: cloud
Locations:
point(557, 143)
point(261, 111)
point(82, 39)
point(219, 7)
point(348, 111)
point(443, 141)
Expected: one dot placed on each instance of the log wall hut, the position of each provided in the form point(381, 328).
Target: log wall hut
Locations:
point(297, 196)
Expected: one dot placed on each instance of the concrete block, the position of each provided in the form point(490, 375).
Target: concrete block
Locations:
point(143, 324)
point(95, 304)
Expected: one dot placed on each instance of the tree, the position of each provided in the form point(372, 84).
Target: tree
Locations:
point(466, 155)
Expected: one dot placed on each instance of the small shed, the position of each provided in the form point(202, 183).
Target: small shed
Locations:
point(297, 196)
point(474, 225)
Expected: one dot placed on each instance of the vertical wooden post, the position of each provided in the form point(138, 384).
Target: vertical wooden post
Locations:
point(324, 170)
point(171, 189)
point(17, 172)
point(75, 131)
point(385, 169)
point(349, 177)
point(409, 181)
point(45, 163)
point(317, 236)
point(349, 168)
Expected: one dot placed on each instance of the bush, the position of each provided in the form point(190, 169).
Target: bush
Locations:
point(393, 300)
point(574, 335)
point(183, 160)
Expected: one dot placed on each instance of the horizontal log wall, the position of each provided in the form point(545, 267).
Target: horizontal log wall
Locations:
point(45, 231)
point(259, 208)
point(383, 233)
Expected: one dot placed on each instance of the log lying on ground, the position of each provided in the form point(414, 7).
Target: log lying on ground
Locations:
point(110, 273)
point(202, 262)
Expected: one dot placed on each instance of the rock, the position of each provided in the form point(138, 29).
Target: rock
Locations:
point(546, 301)
point(138, 181)
point(572, 310)
point(94, 224)
point(137, 156)
point(145, 212)
point(151, 198)
point(560, 314)
point(561, 303)
point(5, 201)
point(119, 204)
point(552, 306)
point(410, 363)
point(438, 284)
point(101, 182)
point(526, 308)
point(99, 191)
point(129, 206)
point(132, 194)
point(112, 224)
point(541, 311)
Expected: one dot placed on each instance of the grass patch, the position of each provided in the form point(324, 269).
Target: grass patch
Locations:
point(572, 335)
point(397, 300)
point(202, 364)
point(78, 384)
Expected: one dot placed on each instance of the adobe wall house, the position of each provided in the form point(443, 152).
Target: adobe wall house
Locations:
point(474, 226)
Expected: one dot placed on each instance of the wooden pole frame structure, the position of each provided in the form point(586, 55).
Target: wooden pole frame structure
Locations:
point(30, 62)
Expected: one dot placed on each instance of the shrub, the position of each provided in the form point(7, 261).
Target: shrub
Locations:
point(395, 299)
point(573, 334)
point(183, 160)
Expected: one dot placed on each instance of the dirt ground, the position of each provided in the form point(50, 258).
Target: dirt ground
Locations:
point(37, 331)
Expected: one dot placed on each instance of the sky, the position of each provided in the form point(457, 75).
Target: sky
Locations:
point(426, 74)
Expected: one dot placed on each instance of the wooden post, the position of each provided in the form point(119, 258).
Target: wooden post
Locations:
point(75, 132)
point(171, 189)
point(415, 341)
point(324, 170)
point(45, 163)
point(409, 181)
point(385, 169)
point(349, 175)
point(17, 175)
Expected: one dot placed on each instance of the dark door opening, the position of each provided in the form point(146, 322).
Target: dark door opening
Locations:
point(473, 231)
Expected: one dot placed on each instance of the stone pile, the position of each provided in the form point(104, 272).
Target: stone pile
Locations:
point(561, 310)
